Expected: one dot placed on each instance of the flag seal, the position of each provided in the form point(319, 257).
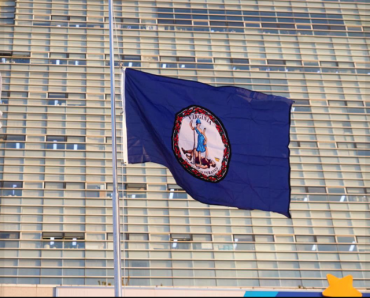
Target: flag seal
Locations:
point(201, 144)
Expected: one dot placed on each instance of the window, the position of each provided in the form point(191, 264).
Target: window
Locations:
point(77, 236)
point(173, 187)
point(264, 238)
point(181, 237)
point(130, 57)
point(57, 95)
point(55, 185)
point(72, 244)
point(55, 140)
point(276, 62)
point(56, 102)
point(122, 237)
point(363, 239)
point(9, 235)
point(12, 184)
point(76, 146)
point(316, 189)
point(15, 138)
point(137, 237)
point(135, 186)
point(240, 61)
point(244, 238)
point(60, 18)
point(346, 239)
point(305, 239)
point(15, 145)
point(52, 235)
point(199, 237)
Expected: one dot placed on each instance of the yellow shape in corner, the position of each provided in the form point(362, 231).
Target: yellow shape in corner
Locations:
point(341, 287)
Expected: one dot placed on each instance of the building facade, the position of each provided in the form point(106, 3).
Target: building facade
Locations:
point(55, 160)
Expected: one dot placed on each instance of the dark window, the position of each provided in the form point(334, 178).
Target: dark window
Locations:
point(56, 139)
point(270, 25)
point(60, 18)
point(337, 28)
point(15, 138)
point(251, 13)
point(6, 54)
point(54, 235)
point(9, 235)
point(321, 27)
point(284, 14)
point(12, 184)
point(301, 15)
point(185, 59)
point(285, 26)
point(183, 10)
point(251, 19)
point(5, 94)
point(269, 20)
point(163, 9)
point(214, 23)
point(183, 16)
point(285, 20)
point(165, 21)
point(78, 236)
point(267, 13)
point(240, 61)
point(276, 62)
point(57, 95)
point(183, 22)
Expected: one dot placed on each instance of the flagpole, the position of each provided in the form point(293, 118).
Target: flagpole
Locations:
point(115, 199)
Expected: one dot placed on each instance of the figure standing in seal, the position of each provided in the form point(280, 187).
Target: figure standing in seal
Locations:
point(201, 144)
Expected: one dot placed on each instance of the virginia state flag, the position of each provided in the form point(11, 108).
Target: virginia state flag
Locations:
point(223, 145)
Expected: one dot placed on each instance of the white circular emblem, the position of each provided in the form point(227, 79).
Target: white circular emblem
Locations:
point(200, 144)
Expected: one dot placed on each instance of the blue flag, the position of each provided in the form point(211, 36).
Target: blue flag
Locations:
point(223, 145)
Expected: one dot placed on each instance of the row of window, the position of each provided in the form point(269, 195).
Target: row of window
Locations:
point(181, 281)
point(231, 29)
point(359, 71)
point(300, 105)
point(175, 187)
point(202, 237)
point(195, 246)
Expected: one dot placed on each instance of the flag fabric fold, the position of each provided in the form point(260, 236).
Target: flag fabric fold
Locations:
point(223, 145)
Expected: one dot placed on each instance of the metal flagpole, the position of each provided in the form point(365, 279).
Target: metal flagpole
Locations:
point(115, 199)
point(123, 163)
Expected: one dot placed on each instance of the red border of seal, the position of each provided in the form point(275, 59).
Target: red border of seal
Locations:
point(225, 140)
